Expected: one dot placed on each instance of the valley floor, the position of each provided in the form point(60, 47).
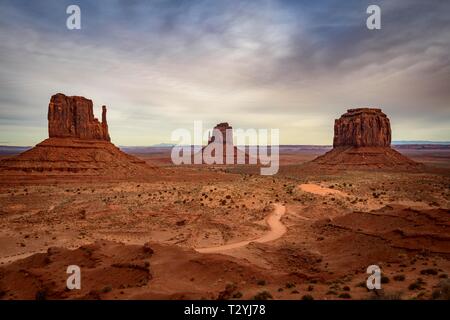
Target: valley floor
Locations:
point(227, 233)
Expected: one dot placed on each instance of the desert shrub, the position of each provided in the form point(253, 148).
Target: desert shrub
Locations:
point(307, 297)
point(429, 271)
point(180, 223)
point(229, 292)
point(261, 282)
point(442, 292)
point(399, 277)
point(82, 214)
point(346, 288)
point(381, 295)
point(290, 285)
point(345, 295)
point(147, 249)
point(107, 289)
point(384, 279)
point(416, 285)
point(335, 286)
point(41, 294)
point(263, 295)
point(237, 295)
point(362, 284)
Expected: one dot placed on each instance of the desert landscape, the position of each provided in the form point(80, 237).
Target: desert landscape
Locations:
point(224, 158)
point(140, 227)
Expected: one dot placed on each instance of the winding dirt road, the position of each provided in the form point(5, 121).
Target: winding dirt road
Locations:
point(277, 229)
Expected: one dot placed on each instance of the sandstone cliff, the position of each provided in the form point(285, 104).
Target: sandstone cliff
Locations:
point(362, 127)
point(73, 117)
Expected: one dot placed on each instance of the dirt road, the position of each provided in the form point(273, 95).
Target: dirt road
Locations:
point(277, 229)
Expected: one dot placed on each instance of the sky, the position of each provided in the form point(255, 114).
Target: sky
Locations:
point(291, 65)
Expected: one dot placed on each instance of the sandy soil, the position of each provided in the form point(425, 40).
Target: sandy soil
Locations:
point(322, 191)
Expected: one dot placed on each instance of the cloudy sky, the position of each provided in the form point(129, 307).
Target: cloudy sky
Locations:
point(293, 65)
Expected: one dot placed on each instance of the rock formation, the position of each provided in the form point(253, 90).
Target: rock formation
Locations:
point(222, 129)
point(78, 145)
point(74, 117)
point(362, 139)
point(222, 137)
point(363, 127)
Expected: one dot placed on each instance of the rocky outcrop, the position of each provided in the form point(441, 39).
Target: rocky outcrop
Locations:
point(362, 127)
point(73, 117)
point(362, 139)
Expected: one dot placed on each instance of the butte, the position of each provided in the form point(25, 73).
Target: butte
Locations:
point(220, 140)
point(362, 139)
point(78, 146)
